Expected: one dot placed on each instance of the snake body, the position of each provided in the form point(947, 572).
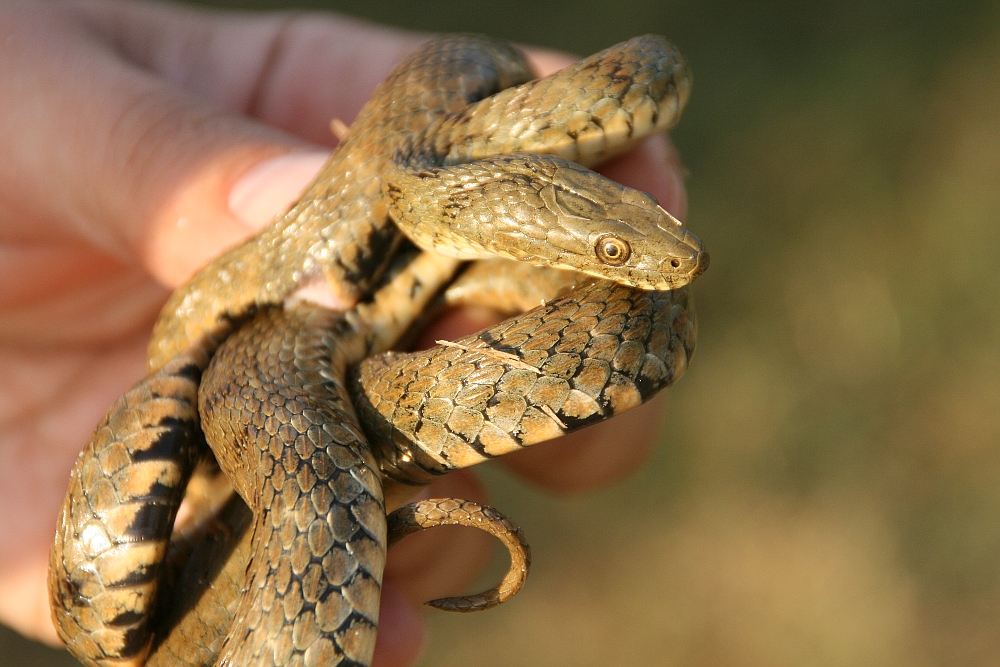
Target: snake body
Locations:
point(469, 158)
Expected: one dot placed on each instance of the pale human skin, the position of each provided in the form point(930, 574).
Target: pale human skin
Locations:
point(138, 141)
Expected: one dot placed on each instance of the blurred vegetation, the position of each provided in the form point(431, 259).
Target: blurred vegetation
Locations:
point(826, 492)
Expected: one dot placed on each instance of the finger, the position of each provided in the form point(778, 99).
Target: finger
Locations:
point(295, 71)
point(24, 598)
point(654, 167)
point(38, 445)
point(144, 169)
point(546, 61)
point(595, 457)
point(402, 630)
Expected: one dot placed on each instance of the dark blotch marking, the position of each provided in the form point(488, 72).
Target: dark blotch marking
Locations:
point(126, 618)
point(154, 520)
point(191, 372)
point(180, 436)
point(374, 260)
point(495, 343)
point(133, 642)
point(647, 387)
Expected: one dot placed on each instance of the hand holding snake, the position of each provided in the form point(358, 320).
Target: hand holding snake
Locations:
point(315, 133)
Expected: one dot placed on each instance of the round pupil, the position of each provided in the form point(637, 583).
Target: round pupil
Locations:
point(611, 250)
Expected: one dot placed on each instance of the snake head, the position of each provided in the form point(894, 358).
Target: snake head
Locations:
point(641, 244)
point(545, 210)
point(615, 232)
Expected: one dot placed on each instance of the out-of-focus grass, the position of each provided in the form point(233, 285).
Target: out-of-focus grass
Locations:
point(826, 491)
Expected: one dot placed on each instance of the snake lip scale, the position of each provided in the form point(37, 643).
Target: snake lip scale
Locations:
point(293, 434)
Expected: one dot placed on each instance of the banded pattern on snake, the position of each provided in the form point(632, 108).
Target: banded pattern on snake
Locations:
point(469, 158)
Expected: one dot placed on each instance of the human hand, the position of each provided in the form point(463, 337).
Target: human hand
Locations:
point(141, 140)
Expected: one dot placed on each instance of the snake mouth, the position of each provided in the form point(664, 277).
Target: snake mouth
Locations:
point(700, 264)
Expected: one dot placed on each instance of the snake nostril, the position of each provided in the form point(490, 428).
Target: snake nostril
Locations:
point(675, 263)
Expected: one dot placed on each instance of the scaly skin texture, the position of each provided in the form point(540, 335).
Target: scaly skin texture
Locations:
point(544, 210)
point(421, 115)
point(304, 467)
point(339, 229)
point(596, 351)
point(277, 402)
point(451, 512)
point(122, 499)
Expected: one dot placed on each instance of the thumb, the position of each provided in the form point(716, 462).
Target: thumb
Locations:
point(129, 131)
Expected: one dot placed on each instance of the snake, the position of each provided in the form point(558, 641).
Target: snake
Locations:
point(464, 179)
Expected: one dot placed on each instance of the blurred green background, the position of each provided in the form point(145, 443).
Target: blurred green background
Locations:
point(826, 491)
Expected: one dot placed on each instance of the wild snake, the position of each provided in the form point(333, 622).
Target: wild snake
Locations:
point(466, 155)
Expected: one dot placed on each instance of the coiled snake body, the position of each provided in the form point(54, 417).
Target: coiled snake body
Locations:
point(470, 159)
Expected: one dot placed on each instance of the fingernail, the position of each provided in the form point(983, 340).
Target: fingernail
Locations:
point(271, 186)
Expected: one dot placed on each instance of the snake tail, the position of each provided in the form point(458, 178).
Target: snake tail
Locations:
point(453, 512)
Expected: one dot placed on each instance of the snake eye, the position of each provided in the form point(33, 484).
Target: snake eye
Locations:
point(612, 250)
